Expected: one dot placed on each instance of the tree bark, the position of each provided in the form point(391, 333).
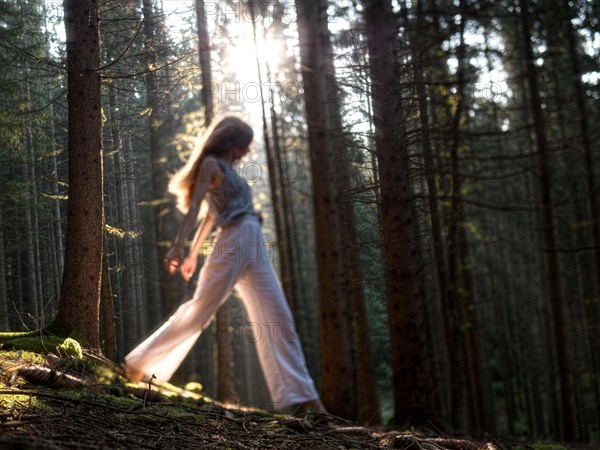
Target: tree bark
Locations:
point(204, 58)
point(108, 314)
point(421, 52)
point(337, 370)
point(592, 310)
point(35, 270)
point(565, 393)
point(410, 374)
point(366, 403)
point(4, 324)
point(56, 210)
point(78, 309)
point(461, 294)
point(165, 221)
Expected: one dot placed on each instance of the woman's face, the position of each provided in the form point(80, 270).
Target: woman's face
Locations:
point(239, 153)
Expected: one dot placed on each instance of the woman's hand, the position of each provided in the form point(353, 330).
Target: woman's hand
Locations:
point(188, 268)
point(173, 259)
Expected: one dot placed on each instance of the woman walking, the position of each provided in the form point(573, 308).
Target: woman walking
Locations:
point(239, 260)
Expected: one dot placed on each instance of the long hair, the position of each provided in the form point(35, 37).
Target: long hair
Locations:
point(219, 138)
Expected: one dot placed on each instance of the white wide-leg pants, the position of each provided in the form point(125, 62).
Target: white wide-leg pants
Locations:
point(239, 259)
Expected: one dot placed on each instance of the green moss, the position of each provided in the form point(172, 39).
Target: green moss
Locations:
point(9, 335)
point(35, 344)
point(45, 344)
point(193, 387)
point(70, 348)
point(541, 446)
point(13, 357)
point(106, 399)
point(19, 403)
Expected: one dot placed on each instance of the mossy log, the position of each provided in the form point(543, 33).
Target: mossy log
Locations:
point(10, 335)
point(43, 344)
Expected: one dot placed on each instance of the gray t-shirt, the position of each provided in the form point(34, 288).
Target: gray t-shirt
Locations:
point(232, 199)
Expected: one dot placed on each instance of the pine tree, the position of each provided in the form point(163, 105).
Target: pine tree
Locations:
point(78, 309)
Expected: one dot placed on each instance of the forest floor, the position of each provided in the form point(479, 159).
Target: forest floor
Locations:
point(52, 403)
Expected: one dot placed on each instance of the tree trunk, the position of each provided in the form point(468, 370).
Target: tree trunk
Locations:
point(400, 255)
point(136, 279)
point(337, 370)
point(4, 324)
point(366, 403)
point(165, 221)
point(204, 58)
point(58, 248)
point(287, 263)
point(420, 54)
point(565, 394)
point(108, 313)
point(31, 273)
point(31, 229)
point(275, 180)
point(78, 309)
point(35, 269)
point(592, 310)
point(226, 387)
point(461, 287)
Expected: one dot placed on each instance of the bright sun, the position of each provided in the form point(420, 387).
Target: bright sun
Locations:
point(232, 28)
point(244, 53)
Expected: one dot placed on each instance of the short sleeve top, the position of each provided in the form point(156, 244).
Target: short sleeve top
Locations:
point(231, 200)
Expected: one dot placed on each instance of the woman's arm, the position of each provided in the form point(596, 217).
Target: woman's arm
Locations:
point(206, 174)
point(191, 262)
point(203, 231)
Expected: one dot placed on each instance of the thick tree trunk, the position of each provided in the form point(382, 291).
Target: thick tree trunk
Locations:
point(78, 310)
point(337, 369)
point(366, 403)
point(410, 375)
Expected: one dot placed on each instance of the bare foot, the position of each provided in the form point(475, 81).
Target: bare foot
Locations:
point(312, 406)
point(316, 406)
point(133, 375)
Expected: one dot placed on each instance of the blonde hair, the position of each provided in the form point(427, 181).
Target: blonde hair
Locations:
point(219, 138)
